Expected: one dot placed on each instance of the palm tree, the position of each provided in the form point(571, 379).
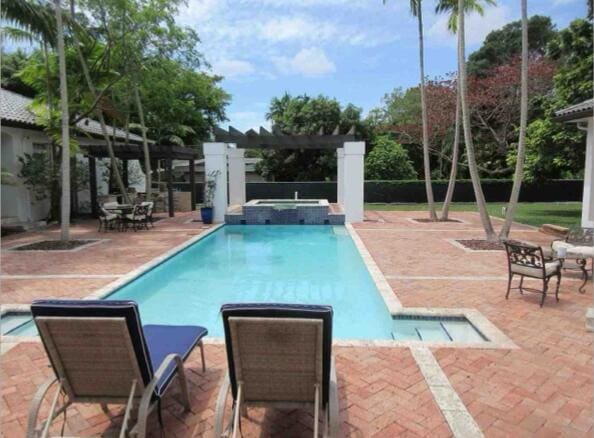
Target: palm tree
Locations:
point(521, 155)
point(452, 7)
point(417, 11)
point(470, 155)
point(65, 207)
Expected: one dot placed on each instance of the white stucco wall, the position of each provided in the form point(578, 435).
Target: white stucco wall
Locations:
point(18, 203)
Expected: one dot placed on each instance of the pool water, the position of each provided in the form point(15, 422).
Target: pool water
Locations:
point(15, 323)
point(264, 263)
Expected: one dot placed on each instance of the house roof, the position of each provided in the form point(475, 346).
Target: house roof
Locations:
point(576, 112)
point(14, 110)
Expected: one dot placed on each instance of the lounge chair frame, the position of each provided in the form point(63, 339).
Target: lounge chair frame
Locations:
point(269, 396)
point(120, 381)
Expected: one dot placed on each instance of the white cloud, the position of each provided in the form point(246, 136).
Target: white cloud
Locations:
point(563, 2)
point(231, 68)
point(477, 27)
point(307, 62)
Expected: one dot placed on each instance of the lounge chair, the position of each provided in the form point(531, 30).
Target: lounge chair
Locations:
point(527, 260)
point(101, 353)
point(279, 356)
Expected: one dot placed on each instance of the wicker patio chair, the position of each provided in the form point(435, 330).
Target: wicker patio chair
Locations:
point(107, 220)
point(278, 356)
point(100, 353)
point(528, 260)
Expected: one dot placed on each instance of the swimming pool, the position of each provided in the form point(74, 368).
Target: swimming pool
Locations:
point(259, 263)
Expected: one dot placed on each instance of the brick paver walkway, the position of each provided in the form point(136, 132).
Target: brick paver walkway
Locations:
point(544, 388)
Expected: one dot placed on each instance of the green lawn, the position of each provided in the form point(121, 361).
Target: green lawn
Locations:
point(566, 214)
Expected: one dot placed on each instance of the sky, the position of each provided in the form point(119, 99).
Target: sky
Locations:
point(353, 50)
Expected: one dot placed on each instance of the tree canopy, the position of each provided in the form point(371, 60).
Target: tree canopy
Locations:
point(306, 115)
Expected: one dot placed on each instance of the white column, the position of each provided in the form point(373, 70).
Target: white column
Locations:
point(215, 160)
point(236, 175)
point(340, 176)
point(353, 175)
point(588, 196)
point(588, 203)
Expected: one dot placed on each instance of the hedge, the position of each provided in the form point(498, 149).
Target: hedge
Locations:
point(496, 190)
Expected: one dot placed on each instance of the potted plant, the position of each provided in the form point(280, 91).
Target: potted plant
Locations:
point(210, 185)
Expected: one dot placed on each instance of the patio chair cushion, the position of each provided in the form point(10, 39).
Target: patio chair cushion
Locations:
point(550, 269)
point(136, 217)
point(163, 340)
point(271, 310)
point(103, 308)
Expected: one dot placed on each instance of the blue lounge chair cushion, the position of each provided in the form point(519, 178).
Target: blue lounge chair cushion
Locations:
point(163, 340)
point(273, 310)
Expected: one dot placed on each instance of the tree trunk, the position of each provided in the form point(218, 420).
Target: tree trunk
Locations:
point(455, 156)
point(145, 146)
point(472, 166)
point(65, 204)
point(521, 155)
point(99, 113)
point(426, 158)
point(54, 213)
point(116, 171)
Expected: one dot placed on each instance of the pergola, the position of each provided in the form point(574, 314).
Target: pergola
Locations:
point(135, 152)
point(225, 157)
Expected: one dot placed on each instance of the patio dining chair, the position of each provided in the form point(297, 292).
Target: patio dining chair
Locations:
point(101, 353)
point(108, 220)
point(526, 260)
point(149, 211)
point(278, 356)
point(138, 218)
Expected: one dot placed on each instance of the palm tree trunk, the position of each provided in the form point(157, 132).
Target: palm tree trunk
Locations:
point(145, 147)
point(426, 159)
point(455, 156)
point(470, 155)
point(65, 204)
point(521, 156)
point(116, 172)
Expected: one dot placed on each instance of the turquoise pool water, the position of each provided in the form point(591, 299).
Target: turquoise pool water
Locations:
point(260, 263)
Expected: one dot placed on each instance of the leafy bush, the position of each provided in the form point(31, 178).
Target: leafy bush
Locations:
point(388, 160)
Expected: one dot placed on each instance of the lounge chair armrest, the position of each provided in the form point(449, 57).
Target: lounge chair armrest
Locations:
point(220, 406)
point(32, 432)
point(147, 395)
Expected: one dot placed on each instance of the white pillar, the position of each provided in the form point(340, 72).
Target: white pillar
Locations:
point(340, 176)
point(588, 196)
point(215, 160)
point(236, 175)
point(353, 175)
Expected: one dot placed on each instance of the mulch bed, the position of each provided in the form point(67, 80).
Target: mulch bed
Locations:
point(481, 245)
point(425, 220)
point(54, 245)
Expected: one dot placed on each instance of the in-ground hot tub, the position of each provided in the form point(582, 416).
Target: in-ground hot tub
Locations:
point(285, 212)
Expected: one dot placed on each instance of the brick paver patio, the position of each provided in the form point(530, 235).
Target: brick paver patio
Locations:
point(543, 388)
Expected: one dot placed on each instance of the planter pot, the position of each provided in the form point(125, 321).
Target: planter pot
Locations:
point(206, 214)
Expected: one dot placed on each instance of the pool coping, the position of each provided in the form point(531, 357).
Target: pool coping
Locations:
point(496, 338)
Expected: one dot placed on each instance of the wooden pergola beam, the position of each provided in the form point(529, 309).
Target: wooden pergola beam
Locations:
point(278, 140)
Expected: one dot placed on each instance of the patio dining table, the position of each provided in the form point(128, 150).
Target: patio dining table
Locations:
point(120, 209)
point(575, 257)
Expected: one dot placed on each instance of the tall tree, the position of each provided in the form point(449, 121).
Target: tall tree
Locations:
point(416, 8)
point(470, 153)
point(521, 155)
point(452, 7)
point(65, 207)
